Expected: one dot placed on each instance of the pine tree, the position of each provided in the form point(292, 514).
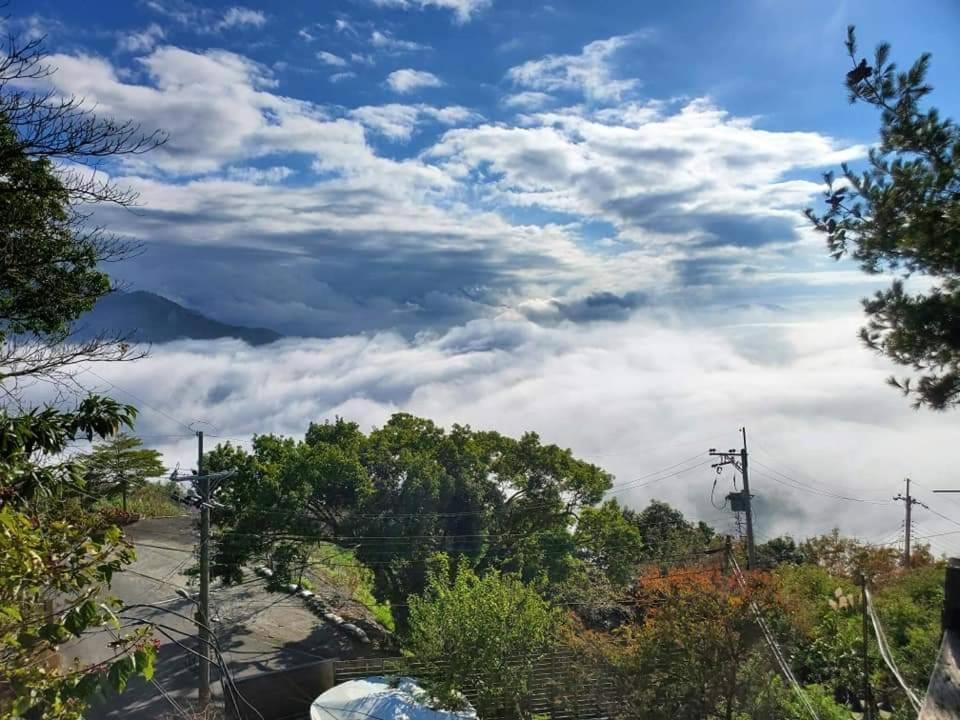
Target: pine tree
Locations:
point(120, 465)
point(902, 215)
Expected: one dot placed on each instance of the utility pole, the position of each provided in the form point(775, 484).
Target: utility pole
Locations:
point(751, 550)
point(741, 501)
point(205, 484)
point(909, 502)
point(203, 634)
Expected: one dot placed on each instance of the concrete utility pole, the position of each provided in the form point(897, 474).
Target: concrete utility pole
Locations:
point(203, 698)
point(730, 458)
point(909, 502)
point(205, 484)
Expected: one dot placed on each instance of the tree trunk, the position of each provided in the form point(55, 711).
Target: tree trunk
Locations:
point(123, 494)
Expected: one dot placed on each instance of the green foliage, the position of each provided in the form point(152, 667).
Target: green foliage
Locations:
point(610, 541)
point(909, 607)
point(57, 565)
point(49, 276)
point(480, 635)
point(849, 557)
point(902, 214)
point(779, 551)
point(58, 558)
point(149, 500)
point(402, 493)
point(776, 700)
point(339, 567)
point(694, 649)
point(667, 534)
point(119, 466)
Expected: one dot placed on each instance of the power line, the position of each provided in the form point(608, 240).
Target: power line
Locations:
point(772, 644)
point(797, 485)
point(139, 399)
point(886, 654)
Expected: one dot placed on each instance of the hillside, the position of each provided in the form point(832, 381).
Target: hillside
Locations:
point(151, 318)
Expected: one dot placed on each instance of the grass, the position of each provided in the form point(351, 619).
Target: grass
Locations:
point(150, 500)
point(339, 566)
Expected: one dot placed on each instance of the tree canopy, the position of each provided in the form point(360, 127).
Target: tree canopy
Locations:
point(901, 214)
point(52, 258)
point(483, 633)
point(58, 557)
point(120, 465)
point(404, 492)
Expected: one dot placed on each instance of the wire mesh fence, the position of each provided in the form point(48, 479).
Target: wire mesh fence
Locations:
point(557, 685)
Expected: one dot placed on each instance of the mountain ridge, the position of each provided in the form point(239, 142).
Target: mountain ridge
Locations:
point(146, 317)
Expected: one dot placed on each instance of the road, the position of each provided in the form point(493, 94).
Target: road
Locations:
point(257, 630)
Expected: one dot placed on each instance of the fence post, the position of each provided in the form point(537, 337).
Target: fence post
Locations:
point(328, 675)
point(951, 596)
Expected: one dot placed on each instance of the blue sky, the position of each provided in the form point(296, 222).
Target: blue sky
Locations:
point(633, 149)
point(579, 218)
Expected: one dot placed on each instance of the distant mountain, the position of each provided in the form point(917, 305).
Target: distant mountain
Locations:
point(150, 318)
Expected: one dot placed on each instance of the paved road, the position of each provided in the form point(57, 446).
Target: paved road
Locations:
point(258, 630)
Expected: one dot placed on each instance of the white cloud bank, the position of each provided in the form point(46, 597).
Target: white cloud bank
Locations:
point(634, 397)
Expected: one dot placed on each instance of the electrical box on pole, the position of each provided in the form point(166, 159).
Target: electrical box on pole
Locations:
point(741, 501)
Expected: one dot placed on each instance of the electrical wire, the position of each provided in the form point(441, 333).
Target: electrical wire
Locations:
point(885, 653)
point(139, 399)
point(774, 647)
point(797, 485)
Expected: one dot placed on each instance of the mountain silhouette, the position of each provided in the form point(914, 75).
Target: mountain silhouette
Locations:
point(150, 318)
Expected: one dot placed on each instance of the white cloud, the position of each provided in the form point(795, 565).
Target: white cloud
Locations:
point(217, 107)
point(527, 100)
point(393, 121)
point(305, 34)
point(632, 397)
point(342, 25)
point(652, 197)
point(386, 41)
point(141, 41)
point(341, 76)
point(270, 175)
point(240, 16)
point(590, 72)
point(207, 20)
point(34, 27)
point(665, 177)
point(463, 10)
point(451, 114)
point(328, 58)
point(361, 59)
point(408, 80)
point(397, 122)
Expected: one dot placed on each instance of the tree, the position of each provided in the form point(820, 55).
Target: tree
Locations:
point(610, 541)
point(120, 464)
point(694, 651)
point(402, 493)
point(51, 270)
point(902, 214)
point(480, 635)
point(58, 561)
point(849, 557)
point(780, 550)
point(58, 558)
point(667, 534)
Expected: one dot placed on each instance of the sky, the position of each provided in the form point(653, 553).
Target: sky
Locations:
point(583, 219)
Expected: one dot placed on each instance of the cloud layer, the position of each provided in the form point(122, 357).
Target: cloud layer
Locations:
point(635, 397)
